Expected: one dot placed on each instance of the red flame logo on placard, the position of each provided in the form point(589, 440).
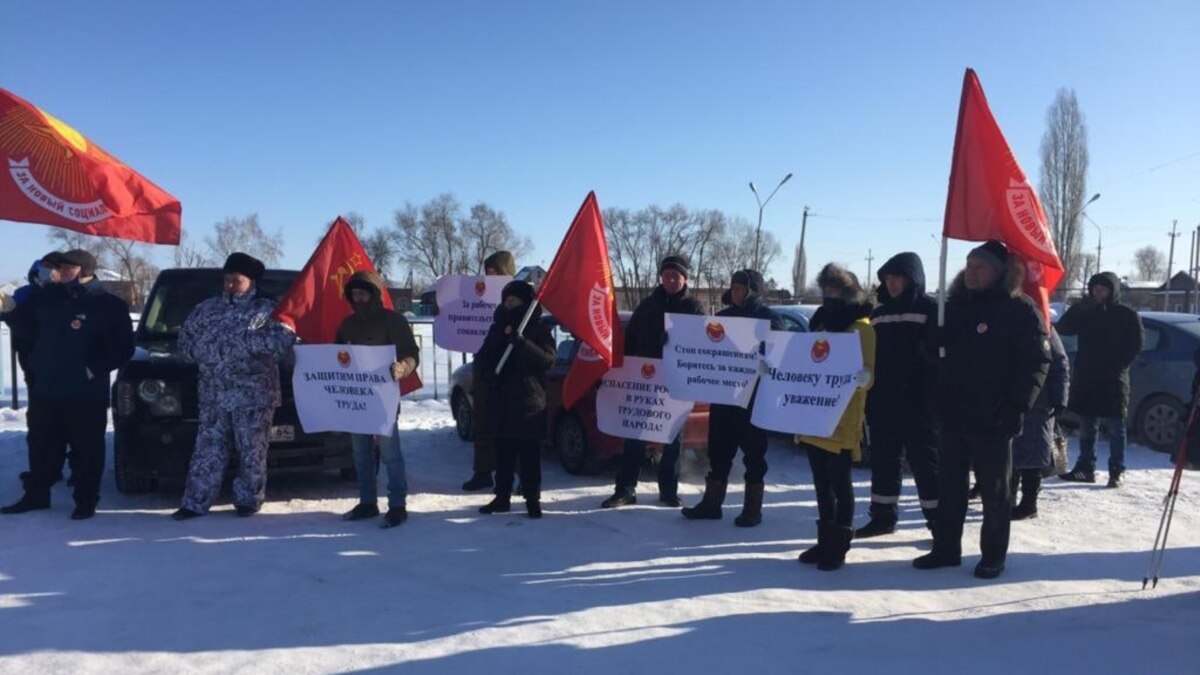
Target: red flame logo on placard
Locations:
point(715, 331)
point(648, 371)
point(343, 357)
point(820, 350)
point(480, 287)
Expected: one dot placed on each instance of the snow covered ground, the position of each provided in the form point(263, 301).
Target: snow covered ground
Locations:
point(296, 590)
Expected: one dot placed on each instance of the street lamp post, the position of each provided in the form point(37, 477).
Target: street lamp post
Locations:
point(1078, 213)
point(761, 205)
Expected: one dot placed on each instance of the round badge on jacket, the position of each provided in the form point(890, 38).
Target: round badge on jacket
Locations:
point(76, 324)
point(981, 328)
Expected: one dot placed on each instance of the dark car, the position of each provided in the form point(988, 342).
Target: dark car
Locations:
point(580, 445)
point(155, 404)
point(1160, 379)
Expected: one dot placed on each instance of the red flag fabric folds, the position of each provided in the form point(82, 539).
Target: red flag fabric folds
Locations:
point(587, 368)
point(990, 198)
point(54, 175)
point(315, 304)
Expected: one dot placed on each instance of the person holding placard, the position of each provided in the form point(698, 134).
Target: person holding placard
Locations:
point(900, 405)
point(645, 336)
point(516, 396)
point(844, 309)
point(729, 426)
point(372, 324)
point(500, 263)
point(996, 357)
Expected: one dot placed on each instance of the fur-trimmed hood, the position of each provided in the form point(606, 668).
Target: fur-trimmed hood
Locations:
point(1014, 277)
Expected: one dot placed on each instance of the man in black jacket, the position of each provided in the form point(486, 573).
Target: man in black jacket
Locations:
point(645, 336)
point(995, 362)
point(1110, 338)
point(729, 426)
point(79, 333)
point(900, 405)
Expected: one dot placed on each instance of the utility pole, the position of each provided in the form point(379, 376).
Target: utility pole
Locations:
point(870, 259)
point(1170, 262)
point(802, 255)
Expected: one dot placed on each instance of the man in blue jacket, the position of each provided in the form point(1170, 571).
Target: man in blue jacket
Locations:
point(79, 333)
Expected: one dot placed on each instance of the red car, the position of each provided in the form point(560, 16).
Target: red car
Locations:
point(581, 447)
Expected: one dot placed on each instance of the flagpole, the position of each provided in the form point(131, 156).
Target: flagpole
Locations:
point(520, 329)
point(942, 293)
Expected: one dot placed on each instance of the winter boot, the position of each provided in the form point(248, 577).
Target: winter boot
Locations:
point(83, 511)
point(1031, 482)
point(813, 555)
point(500, 504)
point(883, 521)
point(361, 511)
point(185, 514)
point(244, 511)
point(619, 498)
point(989, 570)
point(533, 507)
point(833, 556)
point(668, 494)
point(27, 503)
point(751, 506)
point(938, 557)
point(480, 480)
point(1079, 475)
point(709, 507)
point(1115, 479)
point(394, 517)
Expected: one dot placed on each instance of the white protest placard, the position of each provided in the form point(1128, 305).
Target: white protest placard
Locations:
point(633, 402)
point(346, 388)
point(466, 309)
point(713, 358)
point(809, 381)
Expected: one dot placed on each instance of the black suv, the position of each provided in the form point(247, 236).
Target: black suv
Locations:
point(155, 405)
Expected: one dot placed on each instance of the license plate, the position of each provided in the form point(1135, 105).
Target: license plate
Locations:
point(284, 433)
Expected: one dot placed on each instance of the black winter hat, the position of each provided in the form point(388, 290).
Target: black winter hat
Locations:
point(992, 252)
point(674, 262)
point(53, 258)
point(245, 265)
point(751, 279)
point(86, 262)
point(520, 289)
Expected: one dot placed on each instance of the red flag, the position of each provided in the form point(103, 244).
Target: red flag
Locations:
point(990, 197)
point(55, 176)
point(315, 304)
point(587, 368)
point(578, 289)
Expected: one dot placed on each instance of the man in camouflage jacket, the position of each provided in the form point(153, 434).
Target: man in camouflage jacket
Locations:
point(237, 347)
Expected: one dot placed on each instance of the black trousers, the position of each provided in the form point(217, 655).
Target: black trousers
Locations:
point(831, 480)
point(992, 458)
point(729, 428)
point(58, 424)
point(891, 442)
point(508, 450)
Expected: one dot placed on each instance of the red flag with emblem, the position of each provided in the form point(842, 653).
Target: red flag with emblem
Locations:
point(54, 175)
point(315, 304)
point(990, 197)
point(587, 368)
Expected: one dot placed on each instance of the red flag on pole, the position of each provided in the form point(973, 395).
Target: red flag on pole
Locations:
point(315, 304)
point(587, 368)
point(578, 288)
point(990, 197)
point(54, 175)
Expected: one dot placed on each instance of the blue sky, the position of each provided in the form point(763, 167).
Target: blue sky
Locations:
point(301, 110)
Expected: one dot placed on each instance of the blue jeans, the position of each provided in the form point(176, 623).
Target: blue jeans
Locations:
point(1088, 428)
point(392, 460)
point(631, 464)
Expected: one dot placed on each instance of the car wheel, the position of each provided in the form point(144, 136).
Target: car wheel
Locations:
point(131, 479)
point(464, 420)
point(572, 445)
point(1160, 421)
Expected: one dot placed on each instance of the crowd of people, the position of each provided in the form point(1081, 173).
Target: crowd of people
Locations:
point(981, 390)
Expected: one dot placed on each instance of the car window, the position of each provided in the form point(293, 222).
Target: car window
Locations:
point(177, 294)
point(566, 349)
point(1152, 339)
point(791, 324)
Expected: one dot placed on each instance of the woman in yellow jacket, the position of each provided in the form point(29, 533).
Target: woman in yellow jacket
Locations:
point(844, 308)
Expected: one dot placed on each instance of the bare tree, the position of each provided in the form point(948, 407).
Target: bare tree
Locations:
point(427, 239)
point(1151, 263)
point(245, 235)
point(356, 221)
point(485, 231)
point(736, 249)
point(187, 255)
point(130, 260)
point(381, 249)
point(1064, 177)
point(66, 240)
point(1087, 267)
